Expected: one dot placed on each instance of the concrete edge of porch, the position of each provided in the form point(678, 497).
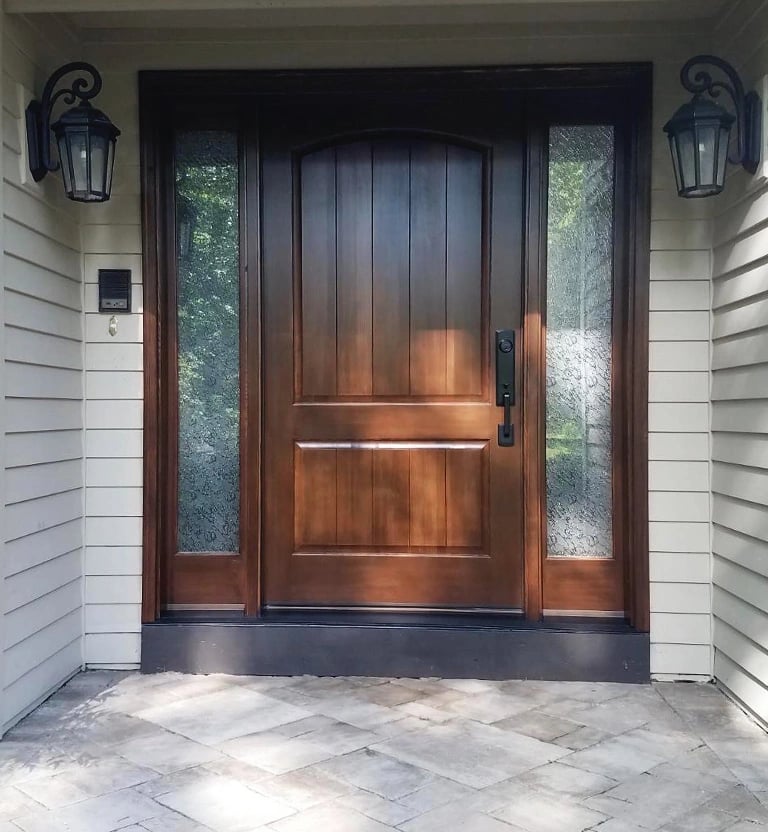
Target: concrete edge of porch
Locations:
point(595, 654)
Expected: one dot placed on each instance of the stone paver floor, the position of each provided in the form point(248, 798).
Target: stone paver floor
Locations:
point(173, 753)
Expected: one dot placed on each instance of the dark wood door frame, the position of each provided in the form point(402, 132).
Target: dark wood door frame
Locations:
point(624, 90)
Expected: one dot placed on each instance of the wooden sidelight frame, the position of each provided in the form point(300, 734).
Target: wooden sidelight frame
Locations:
point(625, 89)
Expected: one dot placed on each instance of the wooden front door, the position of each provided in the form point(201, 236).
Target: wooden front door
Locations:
point(391, 253)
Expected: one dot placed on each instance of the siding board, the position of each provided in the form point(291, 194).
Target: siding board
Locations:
point(43, 385)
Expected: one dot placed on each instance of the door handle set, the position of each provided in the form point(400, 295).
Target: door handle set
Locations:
point(505, 383)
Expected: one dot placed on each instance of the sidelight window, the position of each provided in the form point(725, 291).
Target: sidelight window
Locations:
point(208, 335)
point(579, 341)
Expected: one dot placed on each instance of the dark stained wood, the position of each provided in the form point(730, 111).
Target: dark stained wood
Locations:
point(391, 274)
point(170, 96)
point(464, 330)
point(534, 368)
point(354, 497)
point(152, 246)
point(354, 279)
point(428, 268)
point(202, 579)
point(316, 497)
point(637, 252)
point(251, 358)
point(391, 498)
point(466, 496)
point(318, 346)
point(428, 498)
point(423, 507)
point(597, 584)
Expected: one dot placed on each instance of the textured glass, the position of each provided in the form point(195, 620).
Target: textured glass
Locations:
point(579, 313)
point(208, 313)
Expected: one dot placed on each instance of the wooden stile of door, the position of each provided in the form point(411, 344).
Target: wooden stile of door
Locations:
point(391, 252)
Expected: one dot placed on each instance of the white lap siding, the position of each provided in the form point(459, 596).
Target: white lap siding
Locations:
point(740, 400)
point(42, 556)
point(679, 325)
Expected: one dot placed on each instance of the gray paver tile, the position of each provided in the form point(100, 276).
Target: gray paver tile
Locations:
point(378, 773)
point(223, 715)
point(701, 819)
point(454, 818)
point(14, 803)
point(616, 757)
point(165, 752)
point(388, 812)
point(225, 805)
point(98, 814)
point(337, 818)
point(147, 754)
point(276, 753)
point(544, 813)
point(470, 752)
point(539, 725)
point(302, 789)
point(566, 780)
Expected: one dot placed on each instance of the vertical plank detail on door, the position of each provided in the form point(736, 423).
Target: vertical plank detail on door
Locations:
point(427, 253)
point(354, 244)
point(465, 495)
point(391, 229)
point(464, 273)
point(354, 497)
point(427, 497)
point(391, 498)
point(316, 503)
point(317, 347)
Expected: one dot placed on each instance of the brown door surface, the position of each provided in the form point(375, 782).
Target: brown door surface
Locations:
point(391, 252)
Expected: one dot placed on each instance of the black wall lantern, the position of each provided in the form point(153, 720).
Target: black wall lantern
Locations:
point(700, 131)
point(86, 138)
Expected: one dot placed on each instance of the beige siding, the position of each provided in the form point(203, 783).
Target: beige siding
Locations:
point(42, 584)
point(679, 306)
point(740, 400)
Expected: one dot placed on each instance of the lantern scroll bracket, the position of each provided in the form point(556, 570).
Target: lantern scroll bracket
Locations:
point(38, 114)
point(747, 106)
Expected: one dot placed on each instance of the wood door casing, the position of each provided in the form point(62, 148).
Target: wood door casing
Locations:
point(381, 458)
point(620, 92)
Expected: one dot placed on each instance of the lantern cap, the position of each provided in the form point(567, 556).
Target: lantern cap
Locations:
point(697, 111)
point(85, 115)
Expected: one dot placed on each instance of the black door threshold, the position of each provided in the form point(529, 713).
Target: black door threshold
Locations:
point(448, 645)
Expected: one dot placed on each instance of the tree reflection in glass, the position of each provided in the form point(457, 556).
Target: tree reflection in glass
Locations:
point(579, 316)
point(208, 316)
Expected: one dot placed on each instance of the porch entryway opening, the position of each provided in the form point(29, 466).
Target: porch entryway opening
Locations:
point(398, 345)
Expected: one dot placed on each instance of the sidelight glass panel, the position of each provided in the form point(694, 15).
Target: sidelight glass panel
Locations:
point(208, 317)
point(578, 343)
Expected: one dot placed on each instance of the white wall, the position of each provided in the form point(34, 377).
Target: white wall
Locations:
point(42, 555)
point(679, 325)
point(740, 397)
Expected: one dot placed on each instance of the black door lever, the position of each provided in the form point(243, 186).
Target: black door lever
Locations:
point(505, 383)
point(507, 429)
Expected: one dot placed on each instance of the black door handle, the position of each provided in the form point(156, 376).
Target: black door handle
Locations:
point(505, 383)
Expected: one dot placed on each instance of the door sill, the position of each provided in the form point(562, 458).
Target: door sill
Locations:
point(449, 645)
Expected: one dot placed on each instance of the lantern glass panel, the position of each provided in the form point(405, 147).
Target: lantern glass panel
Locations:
point(686, 151)
point(98, 165)
point(66, 165)
point(110, 166)
point(706, 137)
point(675, 162)
point(78, 146)
point(722, 162)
